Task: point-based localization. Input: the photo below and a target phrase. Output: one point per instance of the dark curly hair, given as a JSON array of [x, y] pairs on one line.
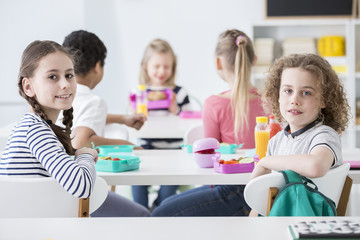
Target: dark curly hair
[[87, 48], [337, 112]]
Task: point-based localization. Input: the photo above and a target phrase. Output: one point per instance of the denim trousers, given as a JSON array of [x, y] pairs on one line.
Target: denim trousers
[[217, 200], [141, 194]]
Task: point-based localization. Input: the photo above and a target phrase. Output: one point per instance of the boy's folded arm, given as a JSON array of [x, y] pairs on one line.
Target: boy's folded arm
[[313, 165]]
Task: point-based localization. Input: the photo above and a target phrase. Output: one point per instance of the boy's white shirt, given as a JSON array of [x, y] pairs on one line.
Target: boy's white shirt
[[89, 111]]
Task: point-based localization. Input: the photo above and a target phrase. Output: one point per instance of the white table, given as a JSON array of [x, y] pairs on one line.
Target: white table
[[164, 228], [172, 167], [177, 167], [166, 126]]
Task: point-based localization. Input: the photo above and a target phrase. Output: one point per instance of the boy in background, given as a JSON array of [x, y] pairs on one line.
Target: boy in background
[[90, 111]]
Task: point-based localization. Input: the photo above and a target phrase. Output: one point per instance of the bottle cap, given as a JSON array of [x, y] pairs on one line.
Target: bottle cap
[[142, 87], [271, 117], [261, 119]]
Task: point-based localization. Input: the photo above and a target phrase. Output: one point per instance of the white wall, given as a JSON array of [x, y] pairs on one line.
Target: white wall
[[126, 27]]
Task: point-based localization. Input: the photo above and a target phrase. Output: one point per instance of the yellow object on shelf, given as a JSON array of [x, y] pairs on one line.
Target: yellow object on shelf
[[329, 46]]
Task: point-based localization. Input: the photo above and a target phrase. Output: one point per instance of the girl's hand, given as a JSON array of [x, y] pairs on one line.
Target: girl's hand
[[173, 106], [93, 152]]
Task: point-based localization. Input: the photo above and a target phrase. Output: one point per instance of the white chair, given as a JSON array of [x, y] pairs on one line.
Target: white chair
[[259, 193], [44, 197], [194, 134]]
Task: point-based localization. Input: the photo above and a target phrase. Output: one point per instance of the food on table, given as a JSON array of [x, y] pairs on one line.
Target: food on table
[[109, 158], [156, 95], [237, 161], [206, 151]]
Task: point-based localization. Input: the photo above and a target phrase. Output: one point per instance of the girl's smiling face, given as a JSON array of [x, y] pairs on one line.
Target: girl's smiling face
[[299, 98], [53, 84], [159, 68]]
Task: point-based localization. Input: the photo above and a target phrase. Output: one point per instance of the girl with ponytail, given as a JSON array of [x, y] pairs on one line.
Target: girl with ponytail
[[229, 117]]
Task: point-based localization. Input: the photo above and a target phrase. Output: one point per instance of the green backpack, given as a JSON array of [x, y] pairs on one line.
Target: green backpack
[[297, 198]]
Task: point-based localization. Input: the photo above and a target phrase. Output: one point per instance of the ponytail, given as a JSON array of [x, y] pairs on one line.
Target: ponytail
[[240, 94]]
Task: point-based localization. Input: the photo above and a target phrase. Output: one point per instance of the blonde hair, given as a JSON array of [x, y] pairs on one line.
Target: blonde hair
[[157, 46], [337, 112], [238, 53]]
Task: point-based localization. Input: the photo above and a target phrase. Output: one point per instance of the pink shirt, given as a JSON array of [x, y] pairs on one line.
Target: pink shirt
[[219, 122]]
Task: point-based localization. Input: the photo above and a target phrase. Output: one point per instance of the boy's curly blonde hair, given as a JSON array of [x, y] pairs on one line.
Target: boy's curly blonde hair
[[337, 112]]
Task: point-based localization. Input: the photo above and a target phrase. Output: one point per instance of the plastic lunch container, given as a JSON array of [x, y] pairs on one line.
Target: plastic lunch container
[[224, 149], [114, 149], [206, 160], [235, 168], [126, 163], [165, 103]]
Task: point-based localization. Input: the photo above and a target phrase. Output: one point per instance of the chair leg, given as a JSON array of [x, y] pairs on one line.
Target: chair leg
[[344, 198], [83, 207], [273, 191]]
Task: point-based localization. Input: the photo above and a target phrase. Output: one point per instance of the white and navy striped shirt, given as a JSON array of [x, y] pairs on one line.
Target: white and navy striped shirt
[[33, 150]]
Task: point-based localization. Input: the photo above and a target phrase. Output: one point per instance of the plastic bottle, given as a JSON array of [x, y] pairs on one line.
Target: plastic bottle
[[141, 100], [274, 126], [262, 136]]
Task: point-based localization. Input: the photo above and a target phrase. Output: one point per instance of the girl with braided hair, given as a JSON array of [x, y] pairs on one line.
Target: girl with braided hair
[[37, 147]]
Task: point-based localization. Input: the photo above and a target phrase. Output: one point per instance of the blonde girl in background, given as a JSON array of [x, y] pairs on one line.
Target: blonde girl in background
[[157, 72], [229, 117], [37, 147]]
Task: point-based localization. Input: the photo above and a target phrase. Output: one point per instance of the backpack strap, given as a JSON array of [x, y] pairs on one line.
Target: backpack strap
[[291, 177]]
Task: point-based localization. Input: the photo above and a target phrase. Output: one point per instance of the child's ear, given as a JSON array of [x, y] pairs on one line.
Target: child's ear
[[219, 65], [28, 89], [97, 67]]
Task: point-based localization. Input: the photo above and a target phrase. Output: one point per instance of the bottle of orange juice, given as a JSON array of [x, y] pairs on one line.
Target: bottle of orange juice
[[262, 136], [141, 100]]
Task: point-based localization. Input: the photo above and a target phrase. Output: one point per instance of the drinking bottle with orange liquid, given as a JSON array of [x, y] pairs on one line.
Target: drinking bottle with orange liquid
[[141, 100], [262, 136]]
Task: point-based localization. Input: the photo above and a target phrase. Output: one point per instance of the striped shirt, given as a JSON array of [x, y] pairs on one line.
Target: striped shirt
[[33, 150]]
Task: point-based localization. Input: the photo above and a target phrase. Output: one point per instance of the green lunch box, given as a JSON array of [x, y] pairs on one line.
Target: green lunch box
[[127, 163]]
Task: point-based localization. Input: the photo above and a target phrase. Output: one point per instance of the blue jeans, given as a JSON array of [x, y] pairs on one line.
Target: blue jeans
[[140, 194], [218, 200]]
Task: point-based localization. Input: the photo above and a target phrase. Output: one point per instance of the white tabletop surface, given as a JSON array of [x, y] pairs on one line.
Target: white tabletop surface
[[165, 228], [172, 167], [177, 167], [165, 126]]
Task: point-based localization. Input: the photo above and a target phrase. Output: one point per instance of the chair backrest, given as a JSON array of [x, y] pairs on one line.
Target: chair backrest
[[193, 134], [43, 197], [257, 190]]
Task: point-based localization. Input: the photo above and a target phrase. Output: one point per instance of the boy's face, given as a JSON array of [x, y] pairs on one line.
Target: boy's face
[[159, 68], [299, 98]]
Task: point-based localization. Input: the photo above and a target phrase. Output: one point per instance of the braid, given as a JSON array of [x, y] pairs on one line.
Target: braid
[[63, 134]]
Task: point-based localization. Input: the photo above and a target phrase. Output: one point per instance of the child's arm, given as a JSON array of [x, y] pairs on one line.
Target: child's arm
[[313, 165], [135, 120], [83, 136], [173, 106]]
